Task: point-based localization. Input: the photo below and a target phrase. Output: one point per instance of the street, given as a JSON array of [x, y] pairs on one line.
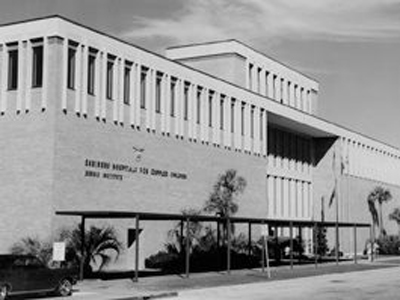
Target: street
[[366, 281], [372, 284]]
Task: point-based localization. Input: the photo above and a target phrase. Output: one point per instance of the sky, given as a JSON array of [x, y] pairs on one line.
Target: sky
[[351, 47]]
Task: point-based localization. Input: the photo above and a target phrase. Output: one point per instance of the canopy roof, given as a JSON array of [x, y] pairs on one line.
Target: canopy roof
[[150, 216]]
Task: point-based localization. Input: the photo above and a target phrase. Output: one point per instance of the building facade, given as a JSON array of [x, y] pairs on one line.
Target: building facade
[[91, 122]]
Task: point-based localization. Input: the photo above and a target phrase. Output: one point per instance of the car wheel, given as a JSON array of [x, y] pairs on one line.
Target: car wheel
[[3, 292], [64, 288]]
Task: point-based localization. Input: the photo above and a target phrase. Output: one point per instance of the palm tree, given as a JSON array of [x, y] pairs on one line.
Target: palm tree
[[177, 235], [395, 216], [221, 200], [33, 246], [380, 195], [97, 244]]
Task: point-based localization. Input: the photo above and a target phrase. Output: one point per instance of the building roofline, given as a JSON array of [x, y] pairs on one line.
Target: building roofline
[[34, 20], [57, 16], [247, 46], [202, 43]]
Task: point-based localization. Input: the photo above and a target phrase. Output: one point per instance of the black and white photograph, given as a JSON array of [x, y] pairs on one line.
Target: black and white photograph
[[199, 149]]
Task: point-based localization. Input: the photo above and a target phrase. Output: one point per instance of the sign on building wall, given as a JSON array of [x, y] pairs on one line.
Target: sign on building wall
[[102, 169]]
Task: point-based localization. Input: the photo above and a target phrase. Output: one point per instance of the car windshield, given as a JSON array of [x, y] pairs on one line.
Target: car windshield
[[27, 262], [33, 262]]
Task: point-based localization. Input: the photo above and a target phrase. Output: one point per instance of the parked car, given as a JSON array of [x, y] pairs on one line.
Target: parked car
[[26, 274]]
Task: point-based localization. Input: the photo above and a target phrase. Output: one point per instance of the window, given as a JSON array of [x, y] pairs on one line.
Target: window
[[233, 116], [173, 87], [37, 66], [210, 110], [13, 69], [71, 68], [198, 106], [143, 79], [127, 84], [259, 70], [261, 124], [242, 118], [271, 146], [281, 89], [110, 78], [221, 113], [301, 99], [266, 83], [274, 87], [252, 122], [91, 73], [186, 101], [250, 77], [158, 93]]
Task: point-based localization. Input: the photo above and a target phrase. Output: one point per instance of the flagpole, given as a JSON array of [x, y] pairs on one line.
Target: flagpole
[[337, 227], [337, 211]]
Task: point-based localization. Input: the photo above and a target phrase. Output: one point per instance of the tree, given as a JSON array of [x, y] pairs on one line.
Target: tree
[[178, 235], [221, 201], [98, 243], [379, 195], [321, 241], [395, 216]]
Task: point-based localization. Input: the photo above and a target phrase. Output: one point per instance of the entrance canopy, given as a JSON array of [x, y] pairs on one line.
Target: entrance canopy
[[149, 216]]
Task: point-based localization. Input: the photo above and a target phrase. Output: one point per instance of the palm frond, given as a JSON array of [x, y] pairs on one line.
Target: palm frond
[[395, 215]]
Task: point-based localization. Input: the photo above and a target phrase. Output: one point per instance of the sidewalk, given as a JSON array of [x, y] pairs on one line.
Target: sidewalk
[[171, 285], [373, 284]]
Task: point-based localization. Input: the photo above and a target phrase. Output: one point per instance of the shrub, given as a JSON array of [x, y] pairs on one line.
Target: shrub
[[321, 241], [98, 242], [163, 260], [389, 244], [207, 256]]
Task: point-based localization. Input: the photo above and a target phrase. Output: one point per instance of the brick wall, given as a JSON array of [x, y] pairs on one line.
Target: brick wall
[[78, 139]]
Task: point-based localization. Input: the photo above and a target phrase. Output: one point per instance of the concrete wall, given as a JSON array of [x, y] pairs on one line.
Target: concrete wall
[[26, 167], [352, 193], [78, 139], [230, 67]]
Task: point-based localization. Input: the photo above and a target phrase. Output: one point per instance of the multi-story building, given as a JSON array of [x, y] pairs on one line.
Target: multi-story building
[[91, 122]]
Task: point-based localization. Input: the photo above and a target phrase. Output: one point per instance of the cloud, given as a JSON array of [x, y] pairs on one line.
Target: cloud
[[274, 20]]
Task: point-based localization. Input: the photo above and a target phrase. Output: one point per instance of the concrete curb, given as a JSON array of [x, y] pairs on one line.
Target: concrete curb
[[150, 296]]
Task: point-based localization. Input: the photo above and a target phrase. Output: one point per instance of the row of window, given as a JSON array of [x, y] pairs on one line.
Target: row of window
[[368, 162], [289, 197], [288, 151], [144, 77], [278, 87], [14, 57]]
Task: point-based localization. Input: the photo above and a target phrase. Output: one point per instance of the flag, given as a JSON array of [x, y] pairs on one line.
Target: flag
[[342, 166], [344, 160], [333, 195], [333, 160]]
